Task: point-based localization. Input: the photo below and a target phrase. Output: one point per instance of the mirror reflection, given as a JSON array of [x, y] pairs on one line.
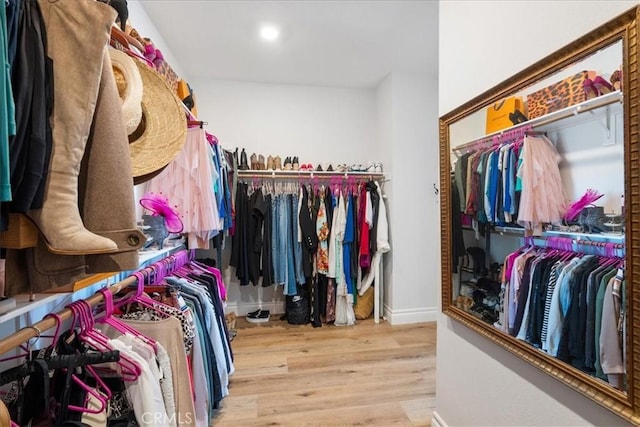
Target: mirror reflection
[[538, 218]]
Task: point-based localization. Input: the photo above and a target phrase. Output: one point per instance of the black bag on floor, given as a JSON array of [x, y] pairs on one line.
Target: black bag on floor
[[298, 309]]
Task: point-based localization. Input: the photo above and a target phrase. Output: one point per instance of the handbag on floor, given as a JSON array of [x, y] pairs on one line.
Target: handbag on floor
[[298, 310]]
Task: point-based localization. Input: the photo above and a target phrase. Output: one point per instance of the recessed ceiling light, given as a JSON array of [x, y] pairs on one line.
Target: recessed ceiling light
[[269, 33]]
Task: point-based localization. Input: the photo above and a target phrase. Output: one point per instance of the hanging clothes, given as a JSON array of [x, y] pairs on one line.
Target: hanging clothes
[[543, 198], [565, 303], [26, 94], [188, 183], [318, 242]]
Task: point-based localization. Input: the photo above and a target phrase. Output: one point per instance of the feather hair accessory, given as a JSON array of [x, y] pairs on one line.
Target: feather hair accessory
[[159, 205], [576, 207]]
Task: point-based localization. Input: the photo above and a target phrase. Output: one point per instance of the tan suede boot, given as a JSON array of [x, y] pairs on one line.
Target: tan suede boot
[[76, 85], [103, 192]]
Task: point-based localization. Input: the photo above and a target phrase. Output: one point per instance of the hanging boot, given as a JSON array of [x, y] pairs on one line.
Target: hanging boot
[[107, 151], [75, 93]]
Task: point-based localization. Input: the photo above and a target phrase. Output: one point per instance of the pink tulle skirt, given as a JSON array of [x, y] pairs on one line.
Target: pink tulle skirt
[[187, 182], [543, 198]]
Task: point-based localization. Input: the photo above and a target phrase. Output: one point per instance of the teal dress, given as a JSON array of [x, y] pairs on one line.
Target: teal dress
[[7, 119]]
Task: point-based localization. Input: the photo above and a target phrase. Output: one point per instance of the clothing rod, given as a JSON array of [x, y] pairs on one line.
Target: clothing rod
[[196, 123], [550, 241], [34, 331], [305, 174], [497, 137]]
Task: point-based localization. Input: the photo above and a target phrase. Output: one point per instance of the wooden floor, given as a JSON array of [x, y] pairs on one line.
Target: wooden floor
[[363, 375]]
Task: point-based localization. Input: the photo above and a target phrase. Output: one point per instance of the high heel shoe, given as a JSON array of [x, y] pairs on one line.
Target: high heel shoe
[[615, 80], [295, 163], [602, 86], [517, 117], [270, 164], [277, 163], [589, 88], [261, 165], [243, 161], [287, 164], [254, 162]]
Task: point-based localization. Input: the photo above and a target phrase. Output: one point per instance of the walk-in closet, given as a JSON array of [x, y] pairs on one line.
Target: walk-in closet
[[204, 213]]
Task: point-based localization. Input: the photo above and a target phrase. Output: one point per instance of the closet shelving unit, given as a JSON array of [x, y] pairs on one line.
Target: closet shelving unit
[[118, 282], [607, 105], [556, 120], [25, 303], [288, 175]]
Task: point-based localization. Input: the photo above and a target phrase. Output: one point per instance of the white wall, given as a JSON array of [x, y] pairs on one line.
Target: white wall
[[144, 25], [384, 135], [478, 383], [414, 222], [317, 124]]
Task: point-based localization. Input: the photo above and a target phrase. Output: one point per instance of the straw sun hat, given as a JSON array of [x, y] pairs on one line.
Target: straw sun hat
[[156, 122]]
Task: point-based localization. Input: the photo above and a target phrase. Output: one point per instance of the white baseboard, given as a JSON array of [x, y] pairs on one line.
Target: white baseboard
[[436, 420], [242, 308], [411, 315], [394, 317]]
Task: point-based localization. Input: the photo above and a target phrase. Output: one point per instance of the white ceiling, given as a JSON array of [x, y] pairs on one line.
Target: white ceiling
[[327, 43]]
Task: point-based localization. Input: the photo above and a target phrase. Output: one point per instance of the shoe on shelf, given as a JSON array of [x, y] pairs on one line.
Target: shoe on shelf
[[329, 168], [258, 316], [295, 163], [615, 80], [602, 86], [261, 165], [277, 163], [589, 88], [319, 168], [517, 117], [243, 161], [342, 168], [377, 167], [270, 163], [254, 162], [287, 164]]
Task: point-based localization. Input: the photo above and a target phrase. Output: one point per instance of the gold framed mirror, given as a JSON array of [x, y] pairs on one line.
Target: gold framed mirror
[[541, 257]]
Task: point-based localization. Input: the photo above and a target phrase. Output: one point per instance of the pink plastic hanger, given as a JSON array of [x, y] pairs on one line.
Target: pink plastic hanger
[[100, 397], [118, 324], [138, 296], [88, 334], [26, 348]]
